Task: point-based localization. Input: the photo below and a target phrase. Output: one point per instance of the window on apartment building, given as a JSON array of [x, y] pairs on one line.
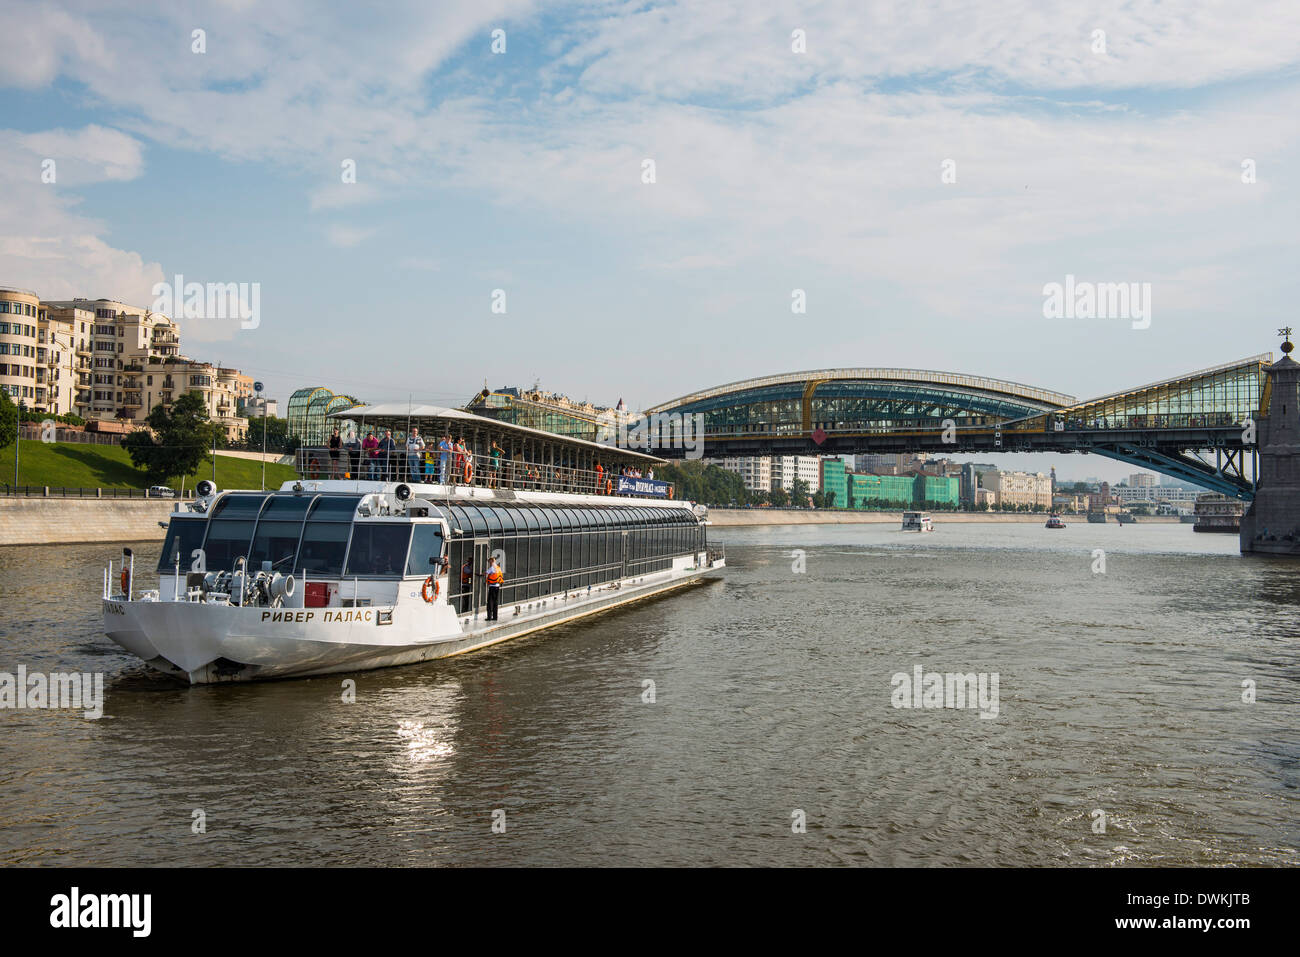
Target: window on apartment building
[[4, 305]]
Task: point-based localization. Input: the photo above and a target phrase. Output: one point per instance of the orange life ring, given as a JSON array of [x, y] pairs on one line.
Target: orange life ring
[[126, 577], [424, 589], [469, 472]]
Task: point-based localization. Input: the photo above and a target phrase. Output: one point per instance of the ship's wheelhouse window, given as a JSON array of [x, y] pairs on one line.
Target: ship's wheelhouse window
[[325, 536], [378, 550], [230, 529], [278, 529], [184, 535], [426, 543], [226, 540], [239, 505]]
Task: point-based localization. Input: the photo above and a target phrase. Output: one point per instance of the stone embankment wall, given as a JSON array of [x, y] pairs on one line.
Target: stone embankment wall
[[43, 521], [780, 516]]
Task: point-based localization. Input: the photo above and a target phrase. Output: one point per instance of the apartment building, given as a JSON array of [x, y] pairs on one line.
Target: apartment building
[[1019, 488], [785, 469], [106, 360], [19, 321], [755, 471]]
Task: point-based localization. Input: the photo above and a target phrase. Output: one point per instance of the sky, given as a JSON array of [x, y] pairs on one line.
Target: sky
[[918, 172]]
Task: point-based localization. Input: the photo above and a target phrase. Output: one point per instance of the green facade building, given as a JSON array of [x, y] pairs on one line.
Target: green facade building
[[835, 483], [847, 489]]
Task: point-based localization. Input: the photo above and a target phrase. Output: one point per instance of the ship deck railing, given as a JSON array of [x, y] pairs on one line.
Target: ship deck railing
[[399, 465]]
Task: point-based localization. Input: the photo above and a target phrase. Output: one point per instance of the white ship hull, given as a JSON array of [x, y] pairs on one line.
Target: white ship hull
[[209, 643]]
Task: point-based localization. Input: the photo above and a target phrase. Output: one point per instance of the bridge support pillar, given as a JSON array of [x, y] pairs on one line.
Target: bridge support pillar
[[1271, 524]]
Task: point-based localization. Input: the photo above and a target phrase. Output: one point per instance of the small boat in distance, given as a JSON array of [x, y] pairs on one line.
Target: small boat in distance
[[917, 522], [1054, 521]]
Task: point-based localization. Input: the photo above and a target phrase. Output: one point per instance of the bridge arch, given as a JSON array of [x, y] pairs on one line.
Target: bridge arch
[[859, 401]]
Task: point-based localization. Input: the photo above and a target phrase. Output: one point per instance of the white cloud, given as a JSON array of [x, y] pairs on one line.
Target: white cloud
[[821, 164], [45, 245], [346, 237]]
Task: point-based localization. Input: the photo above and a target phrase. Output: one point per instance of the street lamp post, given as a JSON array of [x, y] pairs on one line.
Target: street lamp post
[[257, 387], [18, 434]]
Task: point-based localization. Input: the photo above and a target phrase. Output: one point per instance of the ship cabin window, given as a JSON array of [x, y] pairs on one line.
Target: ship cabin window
[[325, 536], [184, 535], [278, 530], [378, 550], [230, 529], [426, 545]]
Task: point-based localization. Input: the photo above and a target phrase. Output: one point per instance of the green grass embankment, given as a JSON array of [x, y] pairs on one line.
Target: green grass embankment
[[71, 465]]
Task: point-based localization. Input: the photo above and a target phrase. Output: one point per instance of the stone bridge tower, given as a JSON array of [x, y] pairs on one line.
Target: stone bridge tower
[[1272, 523]]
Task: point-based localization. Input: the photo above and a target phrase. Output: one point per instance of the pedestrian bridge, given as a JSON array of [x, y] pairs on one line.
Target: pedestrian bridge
[[1173, 426]]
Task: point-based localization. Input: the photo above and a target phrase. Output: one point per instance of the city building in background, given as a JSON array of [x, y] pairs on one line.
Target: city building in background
[[755, 471], [256, 406], [787, 469], [107, 362], [549, 412], [845, 488], [967, 484], [1019, 488], [19, 322]]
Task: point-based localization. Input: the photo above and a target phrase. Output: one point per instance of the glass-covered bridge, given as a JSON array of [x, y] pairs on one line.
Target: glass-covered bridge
[[1166, 426]]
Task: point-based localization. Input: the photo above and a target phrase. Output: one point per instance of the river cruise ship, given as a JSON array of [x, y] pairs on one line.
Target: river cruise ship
[[1217, 513], [334, 573]]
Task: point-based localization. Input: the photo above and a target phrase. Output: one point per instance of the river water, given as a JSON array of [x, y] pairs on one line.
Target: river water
[[1119, 691]]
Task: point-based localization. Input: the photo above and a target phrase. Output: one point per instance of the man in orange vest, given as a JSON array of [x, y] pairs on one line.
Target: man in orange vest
[[466, 585], [494, 579]]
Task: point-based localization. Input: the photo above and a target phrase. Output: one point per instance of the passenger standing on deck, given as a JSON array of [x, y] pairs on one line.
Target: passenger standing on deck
[[444, 458], [414, 446], [466, 585], [386, 449], [462, 461], [600, 478], [336, 450], [494, 579], [354, 455], [370, 449], [494, 464]]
